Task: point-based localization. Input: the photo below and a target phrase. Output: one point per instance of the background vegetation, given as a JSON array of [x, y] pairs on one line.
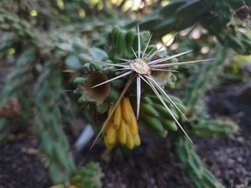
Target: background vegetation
[[50, 48]]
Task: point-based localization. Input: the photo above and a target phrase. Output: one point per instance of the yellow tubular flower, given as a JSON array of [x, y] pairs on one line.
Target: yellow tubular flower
[[107, 127], [133, 125], [137, 140], [111, 136], [117, 117], [126, 109], [122, 127], [122, 132], [129, 140], [108, 146]]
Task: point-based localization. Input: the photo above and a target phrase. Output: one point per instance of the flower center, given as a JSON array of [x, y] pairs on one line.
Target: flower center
[[140, 67]]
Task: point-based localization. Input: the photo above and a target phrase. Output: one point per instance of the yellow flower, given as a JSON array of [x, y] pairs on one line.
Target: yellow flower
[[122, 127]]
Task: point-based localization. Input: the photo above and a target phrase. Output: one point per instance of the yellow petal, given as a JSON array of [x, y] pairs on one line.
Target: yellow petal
[[122, 133], [117, 117], [111, 136], [137, 140], [129, 140], [126, 109]]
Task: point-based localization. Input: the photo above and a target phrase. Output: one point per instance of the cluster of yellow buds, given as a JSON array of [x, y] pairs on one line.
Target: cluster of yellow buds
[[122, 127]]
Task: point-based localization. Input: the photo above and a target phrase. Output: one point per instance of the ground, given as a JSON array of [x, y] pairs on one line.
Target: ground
[[153, 164]]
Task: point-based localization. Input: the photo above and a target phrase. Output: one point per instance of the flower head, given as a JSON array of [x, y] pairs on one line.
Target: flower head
[[141, 68]]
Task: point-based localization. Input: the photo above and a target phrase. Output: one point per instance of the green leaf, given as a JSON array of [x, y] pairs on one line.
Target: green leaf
[[65, 47], [73, 62], [84, 57], [99, 54]]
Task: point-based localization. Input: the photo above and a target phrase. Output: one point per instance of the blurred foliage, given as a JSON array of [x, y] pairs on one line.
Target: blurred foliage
[[53, 46], [88, 176], [215, 16], [54, 144], [199, 175]]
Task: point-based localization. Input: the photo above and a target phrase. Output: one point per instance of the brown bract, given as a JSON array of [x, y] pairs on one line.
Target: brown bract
[[97, 94]]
